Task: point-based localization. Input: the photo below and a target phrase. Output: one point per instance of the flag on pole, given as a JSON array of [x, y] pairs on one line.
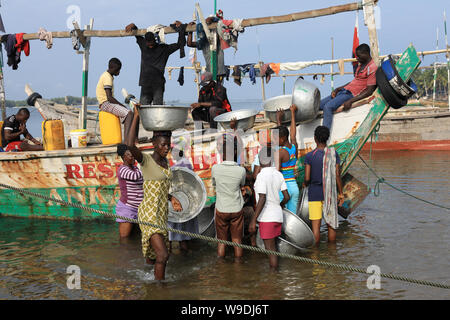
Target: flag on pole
[[355, 42]]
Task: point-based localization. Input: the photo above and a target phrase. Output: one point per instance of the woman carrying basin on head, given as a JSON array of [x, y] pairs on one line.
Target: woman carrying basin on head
[[154, 207]]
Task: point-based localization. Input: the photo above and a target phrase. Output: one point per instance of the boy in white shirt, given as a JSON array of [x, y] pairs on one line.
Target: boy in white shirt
[[269, 212]]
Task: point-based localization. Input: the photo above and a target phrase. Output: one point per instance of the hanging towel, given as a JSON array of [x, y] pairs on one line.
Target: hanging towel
[[266, 71], [22, 45], [158, 30], [181, 76], [341, 66], [293, 66], [228, 31], [11, 50], [46, 36], [275, 67], [330, 212], [237, 75], [181, 37]]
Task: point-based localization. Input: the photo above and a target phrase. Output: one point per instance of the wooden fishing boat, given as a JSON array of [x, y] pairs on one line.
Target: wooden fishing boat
[[87, 176]]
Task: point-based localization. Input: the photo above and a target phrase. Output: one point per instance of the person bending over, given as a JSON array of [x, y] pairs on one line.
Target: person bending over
[[15, 126]]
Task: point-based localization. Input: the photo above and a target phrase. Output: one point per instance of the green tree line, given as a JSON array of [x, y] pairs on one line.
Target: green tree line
[[71, 100], [424, 79]]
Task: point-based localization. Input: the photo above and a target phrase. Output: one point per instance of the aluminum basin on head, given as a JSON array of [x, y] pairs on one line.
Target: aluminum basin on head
[[306, 96], [245, 119], [189, 189], [279, 102], [163, 117], [296, 231]]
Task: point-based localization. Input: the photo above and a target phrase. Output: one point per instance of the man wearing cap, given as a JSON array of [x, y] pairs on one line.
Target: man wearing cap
[[154, 58], [212, 101]]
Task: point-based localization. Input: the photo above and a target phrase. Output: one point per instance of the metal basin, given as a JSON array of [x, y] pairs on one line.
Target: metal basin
[[303, 208], [296, 230], [306, 96], [205, 220], [189, 189], [283, 246], [245, 119], [279, 102], [162, 117]]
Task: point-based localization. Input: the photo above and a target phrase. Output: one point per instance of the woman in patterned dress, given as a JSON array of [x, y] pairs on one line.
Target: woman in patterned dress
[[154, 207]]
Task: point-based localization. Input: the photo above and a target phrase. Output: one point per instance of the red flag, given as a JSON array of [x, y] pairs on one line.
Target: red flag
[[355, 43]]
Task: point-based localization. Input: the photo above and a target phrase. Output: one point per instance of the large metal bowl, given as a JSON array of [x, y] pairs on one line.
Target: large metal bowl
[[245, 119], [163, 117], [189, 189], [205, 220], [283, 246], [279, 102], [306, 96], [296, 230], [303, 208]]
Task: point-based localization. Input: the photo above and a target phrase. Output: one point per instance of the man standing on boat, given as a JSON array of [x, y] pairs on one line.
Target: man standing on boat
[[362, 86], [15, 126], [212, 101], [154, 58]]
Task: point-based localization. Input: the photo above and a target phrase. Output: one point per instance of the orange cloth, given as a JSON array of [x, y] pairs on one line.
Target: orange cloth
[[22, 45], [275, 67]]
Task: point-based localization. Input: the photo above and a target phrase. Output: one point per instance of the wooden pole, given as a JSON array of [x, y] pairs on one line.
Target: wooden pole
[[84, 91], [263, 89], [369, 20], [435, 66], [2, 85], [331, 66], [245, 23], [448, 60]]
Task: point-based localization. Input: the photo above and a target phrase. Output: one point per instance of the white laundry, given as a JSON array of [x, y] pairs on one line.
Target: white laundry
[[158, 29]]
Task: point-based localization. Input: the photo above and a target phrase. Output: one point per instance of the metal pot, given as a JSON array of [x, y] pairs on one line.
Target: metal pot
[[303, 208], [306, 96], [163, 117], [245, 119], [296, 230], [189, 189], [205, 220]]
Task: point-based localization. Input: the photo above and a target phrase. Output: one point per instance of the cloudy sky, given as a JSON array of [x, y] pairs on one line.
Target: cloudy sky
[[58, 71]]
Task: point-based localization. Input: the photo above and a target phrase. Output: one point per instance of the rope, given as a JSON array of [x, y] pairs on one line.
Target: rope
[[331, 265], [376, 190]]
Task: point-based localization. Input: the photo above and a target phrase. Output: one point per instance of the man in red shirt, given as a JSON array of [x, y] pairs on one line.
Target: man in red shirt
[[362, 86]]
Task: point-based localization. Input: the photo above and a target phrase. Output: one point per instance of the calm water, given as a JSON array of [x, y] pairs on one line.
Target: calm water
[[399, 234]]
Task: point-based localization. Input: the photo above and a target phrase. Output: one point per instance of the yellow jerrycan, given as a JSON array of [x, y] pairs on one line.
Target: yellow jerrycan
[[53, 135], [110, 130]]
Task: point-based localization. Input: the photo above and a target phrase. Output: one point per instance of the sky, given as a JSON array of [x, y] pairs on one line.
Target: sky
[[57, 72]]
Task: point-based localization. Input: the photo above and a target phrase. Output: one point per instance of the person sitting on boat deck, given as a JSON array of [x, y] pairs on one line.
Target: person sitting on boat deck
[[105, 96], [212, 101], [131, 193], [287, 157], [268, 213], [315, 177], [228, 178], [154, 207], [154, 58], [362, 86], [15, 126]]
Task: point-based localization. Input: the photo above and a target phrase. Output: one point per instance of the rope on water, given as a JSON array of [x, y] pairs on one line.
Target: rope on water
[[376, 189], [331, 265]]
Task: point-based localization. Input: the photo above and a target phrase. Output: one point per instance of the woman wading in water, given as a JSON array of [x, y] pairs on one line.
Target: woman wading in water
[[154, 207]]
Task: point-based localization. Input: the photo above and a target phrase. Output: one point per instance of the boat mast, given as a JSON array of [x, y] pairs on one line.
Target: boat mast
[[369, 21], [448, 60], [435, 66]]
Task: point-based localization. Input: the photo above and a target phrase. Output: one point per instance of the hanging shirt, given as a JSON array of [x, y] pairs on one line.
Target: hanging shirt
[[153, 61], [364, 77]]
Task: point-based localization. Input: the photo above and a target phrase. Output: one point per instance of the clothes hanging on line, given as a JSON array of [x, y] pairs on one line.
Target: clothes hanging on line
[[228, 31], [46, 36], [181, 76], [266, 71], [14, 45], [293, 66], [275, 67], [181, 37], [237, 75]]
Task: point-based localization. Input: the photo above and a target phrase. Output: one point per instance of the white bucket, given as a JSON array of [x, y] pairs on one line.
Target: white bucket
[[78, 138]]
